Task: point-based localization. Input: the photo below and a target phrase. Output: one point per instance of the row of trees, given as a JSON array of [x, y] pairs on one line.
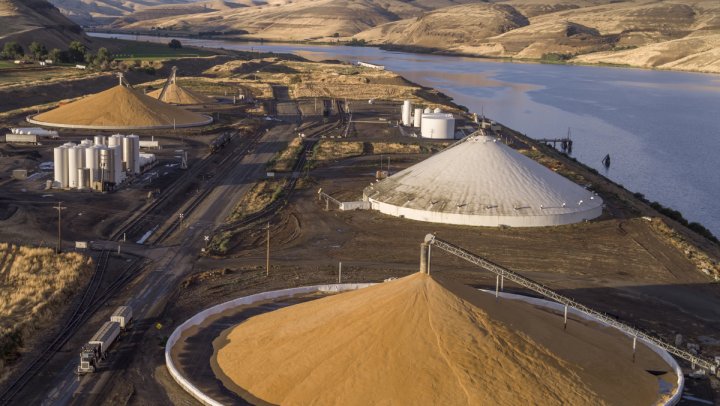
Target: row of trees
[[76, 52]]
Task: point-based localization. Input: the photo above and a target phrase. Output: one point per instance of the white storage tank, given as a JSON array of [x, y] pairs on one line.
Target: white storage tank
[[72, 167], [417, 117], [83, 178], [438, 126], [115, 139], [136, 152], [118, 173], [127, 155], [100, 140], [437, 110], [91, 162], [81, 155], [61, 166], [107, 165], [407, 113], [428, 110]]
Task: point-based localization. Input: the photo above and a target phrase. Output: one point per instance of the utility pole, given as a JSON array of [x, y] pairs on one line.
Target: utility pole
[[267, 259], [59, 208]]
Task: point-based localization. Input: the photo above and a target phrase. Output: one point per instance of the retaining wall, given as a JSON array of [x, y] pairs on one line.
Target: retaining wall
[[276, 294]]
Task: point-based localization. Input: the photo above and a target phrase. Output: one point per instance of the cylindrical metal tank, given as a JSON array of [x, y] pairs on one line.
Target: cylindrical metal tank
[[437, 110], [100, 140], [135, 153], [417, 117], [72, 167], [118, 174], [91, 162], [438, 126], [83, 175], [86, 143], [106, 165], [407, 113], [115, 139], [428, 110], [127, 155], [81, 155], [60, 162]]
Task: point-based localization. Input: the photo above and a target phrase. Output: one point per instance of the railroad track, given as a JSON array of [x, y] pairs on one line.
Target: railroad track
[[90, 301], [197, 199], [142, 221]]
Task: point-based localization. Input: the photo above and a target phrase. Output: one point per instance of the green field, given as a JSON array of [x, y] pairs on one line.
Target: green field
[[7, 64], [148, 51]]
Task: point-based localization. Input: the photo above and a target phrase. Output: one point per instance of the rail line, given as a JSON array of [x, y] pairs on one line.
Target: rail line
[[89, 303], [197, 199], [504, 273]]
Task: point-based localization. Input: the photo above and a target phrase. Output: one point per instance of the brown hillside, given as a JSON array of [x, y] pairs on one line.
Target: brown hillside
[[25, 21]]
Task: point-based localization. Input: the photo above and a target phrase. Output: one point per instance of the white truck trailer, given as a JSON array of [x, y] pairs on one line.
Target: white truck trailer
[[123, 315], [96, 349]]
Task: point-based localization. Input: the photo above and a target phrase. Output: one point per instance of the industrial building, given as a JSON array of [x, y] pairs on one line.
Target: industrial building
[[119, 108], [93, 164], [480, 181]]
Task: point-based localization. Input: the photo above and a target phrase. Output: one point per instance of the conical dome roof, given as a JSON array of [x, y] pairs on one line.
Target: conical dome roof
[[119, 108], [480, 181], [417, 341], [176, 94]]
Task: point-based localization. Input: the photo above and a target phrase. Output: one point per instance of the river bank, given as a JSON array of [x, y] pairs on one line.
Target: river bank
[[400, 48]]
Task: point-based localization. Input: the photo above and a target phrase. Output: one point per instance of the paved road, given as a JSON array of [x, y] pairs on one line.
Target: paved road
[[176, 261]]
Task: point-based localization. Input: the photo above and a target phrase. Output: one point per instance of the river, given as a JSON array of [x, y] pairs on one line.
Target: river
[[661, 128]]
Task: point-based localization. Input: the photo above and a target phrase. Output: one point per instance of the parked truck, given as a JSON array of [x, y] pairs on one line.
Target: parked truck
[[122, 315], [97, 348]]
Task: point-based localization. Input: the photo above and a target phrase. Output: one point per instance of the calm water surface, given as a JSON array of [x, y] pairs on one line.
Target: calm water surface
[[661, 129]]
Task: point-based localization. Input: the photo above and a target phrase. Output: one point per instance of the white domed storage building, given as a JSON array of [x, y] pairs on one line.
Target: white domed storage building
[[479, 181]]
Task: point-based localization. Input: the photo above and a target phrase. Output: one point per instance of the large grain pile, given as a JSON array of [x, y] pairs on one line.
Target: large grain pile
[[176, 94], [119, 107], [418, 340]]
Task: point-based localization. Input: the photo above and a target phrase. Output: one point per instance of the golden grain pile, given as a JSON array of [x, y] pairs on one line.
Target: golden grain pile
[[120, 107], [34, 285], [423, 341], [176, 94]]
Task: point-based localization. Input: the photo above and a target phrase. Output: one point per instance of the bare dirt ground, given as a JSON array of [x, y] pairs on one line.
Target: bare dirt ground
[[621, 266]]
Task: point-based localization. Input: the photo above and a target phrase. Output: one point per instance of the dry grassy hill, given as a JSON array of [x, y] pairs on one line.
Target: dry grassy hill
[[35, 285], [666, 34], [669, 34], [25, 21]]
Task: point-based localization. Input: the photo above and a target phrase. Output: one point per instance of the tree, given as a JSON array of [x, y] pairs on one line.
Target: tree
[[174, 44], [55, 55], [13, 50], [102, 56], [76, 51], [38, 50]]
